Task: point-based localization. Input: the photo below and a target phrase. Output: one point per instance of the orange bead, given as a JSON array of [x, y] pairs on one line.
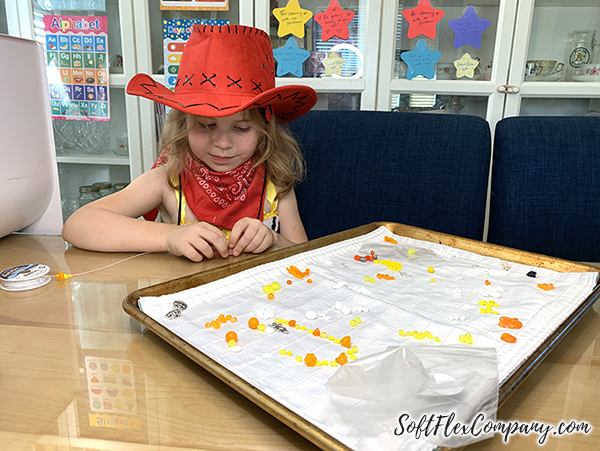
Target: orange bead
[[487, 282], [253, 323], [289, 282], [231, 335], [310, 360], [208, 325], [228, 318], [342, 359], [234, 319], [292, 323], [508, 338], [317, 332], [270, 296], [518, 324], [357, 258], [346, 342], [309, 280], [216, 324]]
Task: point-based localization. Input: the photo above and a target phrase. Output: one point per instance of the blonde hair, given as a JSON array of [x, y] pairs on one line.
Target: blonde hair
[[276, 147]]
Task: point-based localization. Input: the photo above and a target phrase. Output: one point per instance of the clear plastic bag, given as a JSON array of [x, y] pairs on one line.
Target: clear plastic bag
[[384, 393]]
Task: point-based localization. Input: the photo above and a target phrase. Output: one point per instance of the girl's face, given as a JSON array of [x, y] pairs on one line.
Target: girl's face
[[224, 143]]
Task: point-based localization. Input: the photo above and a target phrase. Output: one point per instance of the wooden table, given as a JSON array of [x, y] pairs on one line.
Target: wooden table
[[47, 333]]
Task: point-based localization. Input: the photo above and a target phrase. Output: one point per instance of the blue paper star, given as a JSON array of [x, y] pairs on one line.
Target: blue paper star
[[420, 61], [468, 29], [290, 58]]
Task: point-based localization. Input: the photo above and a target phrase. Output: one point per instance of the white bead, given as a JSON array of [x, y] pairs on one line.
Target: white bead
[[235, 348], [346, 310], [338, 305], [310, 315]]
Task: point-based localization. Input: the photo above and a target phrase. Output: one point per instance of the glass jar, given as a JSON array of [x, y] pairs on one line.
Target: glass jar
[[104, 188], [120, 186], [87, 194]]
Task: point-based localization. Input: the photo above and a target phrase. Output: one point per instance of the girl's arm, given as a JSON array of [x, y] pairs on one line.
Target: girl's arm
[[251, 235], [110, 224]]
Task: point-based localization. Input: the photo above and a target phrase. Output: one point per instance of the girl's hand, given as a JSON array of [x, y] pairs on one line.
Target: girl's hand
[[196, 241], [250, 235]]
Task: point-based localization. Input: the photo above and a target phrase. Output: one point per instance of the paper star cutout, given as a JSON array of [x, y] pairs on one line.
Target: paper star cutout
[[465, 67], [290, 58], [422, 20], [420, 61], [292, 19], [468, 29], [333, 64], [334, 21]]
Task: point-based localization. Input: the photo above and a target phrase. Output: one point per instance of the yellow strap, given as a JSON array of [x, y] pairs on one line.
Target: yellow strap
[[271, 195], [183, 203]]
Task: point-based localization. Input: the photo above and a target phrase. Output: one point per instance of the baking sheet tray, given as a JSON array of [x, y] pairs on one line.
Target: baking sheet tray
[[296, 422]]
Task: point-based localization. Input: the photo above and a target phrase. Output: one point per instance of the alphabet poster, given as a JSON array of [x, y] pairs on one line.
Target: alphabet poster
[[77, 67]]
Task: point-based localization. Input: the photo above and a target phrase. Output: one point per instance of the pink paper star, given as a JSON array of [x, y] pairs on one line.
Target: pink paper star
[[422, 20], [334, 21]]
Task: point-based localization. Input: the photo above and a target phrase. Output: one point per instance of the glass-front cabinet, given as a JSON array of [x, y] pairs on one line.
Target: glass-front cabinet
[[490, 58]]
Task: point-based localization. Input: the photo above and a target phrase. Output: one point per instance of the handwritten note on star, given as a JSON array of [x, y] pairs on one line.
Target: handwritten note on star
[[465, 67], [333, 64], [290, 58], [292, 19], [334, 21], [420, 61], [422, 20], [468, 28]]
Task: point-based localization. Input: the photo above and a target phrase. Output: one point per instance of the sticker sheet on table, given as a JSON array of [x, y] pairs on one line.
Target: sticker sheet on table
[[77, 66], [436, 295]]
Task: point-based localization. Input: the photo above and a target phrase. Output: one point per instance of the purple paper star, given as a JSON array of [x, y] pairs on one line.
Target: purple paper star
[[468, 29], [420, 61], [290, 58]]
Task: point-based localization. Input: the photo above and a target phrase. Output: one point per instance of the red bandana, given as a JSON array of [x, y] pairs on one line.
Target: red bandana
[[223, 198]]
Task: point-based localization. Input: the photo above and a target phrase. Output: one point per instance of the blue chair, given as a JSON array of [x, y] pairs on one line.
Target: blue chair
[[425, 170], [546, 186]]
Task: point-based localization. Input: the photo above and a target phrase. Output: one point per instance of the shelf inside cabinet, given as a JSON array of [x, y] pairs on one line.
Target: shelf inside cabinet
[[107, 158]]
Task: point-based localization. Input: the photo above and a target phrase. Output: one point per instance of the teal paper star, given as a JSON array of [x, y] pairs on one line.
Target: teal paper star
[[420, 61], [290, 58]]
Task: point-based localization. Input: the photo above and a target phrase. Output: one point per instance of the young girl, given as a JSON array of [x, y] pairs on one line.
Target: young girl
[[223, 183]]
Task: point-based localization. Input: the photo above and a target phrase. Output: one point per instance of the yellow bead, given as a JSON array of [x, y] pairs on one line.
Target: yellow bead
[[298, 358], [409, 334], [333, 363], [349, 352], [366, 278], [310, 331], [268, 289], [461, 338], [401, 333], [352, 357], [283, 352], [298, 327], [318, 363], [331, 337], [337, 341], [482, 310], [433, 280], [357, 320], [289, 353], [437, 339], [430, 269], [231, 343], [352, 323], [325, 363], [324, 335], [275, 286], [303, 327], [354, 349], [261, 327]]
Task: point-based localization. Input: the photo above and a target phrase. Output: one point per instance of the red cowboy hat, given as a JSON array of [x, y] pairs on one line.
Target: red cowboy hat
[[226, 69]]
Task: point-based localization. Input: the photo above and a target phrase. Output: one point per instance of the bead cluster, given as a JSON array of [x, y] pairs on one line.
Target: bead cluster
[[367, 258], [487, 307], [269, 290], [310, 359], [546, 286], [390, 264], [466, 339], [419, 335], [510, 323], [221, 319]]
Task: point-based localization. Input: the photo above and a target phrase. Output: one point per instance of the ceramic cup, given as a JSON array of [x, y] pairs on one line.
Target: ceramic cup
[[536, 68], [590, 69]]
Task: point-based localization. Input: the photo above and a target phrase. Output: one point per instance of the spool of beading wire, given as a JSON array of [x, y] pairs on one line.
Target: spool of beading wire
[[24, 277]]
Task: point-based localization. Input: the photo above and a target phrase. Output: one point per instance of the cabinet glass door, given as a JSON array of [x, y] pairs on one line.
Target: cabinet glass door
[[445, 56], [89, 55], [330, 45], [556, 61], [154, 26]]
